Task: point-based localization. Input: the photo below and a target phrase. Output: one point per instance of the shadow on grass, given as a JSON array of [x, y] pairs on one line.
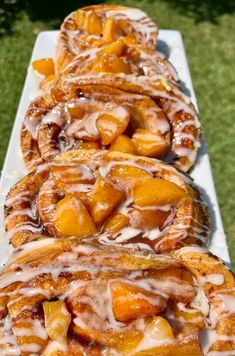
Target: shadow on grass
[[38, 10], [55, 10], [203, 10]]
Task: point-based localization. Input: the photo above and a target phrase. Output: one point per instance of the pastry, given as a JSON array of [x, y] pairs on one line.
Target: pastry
[[119, 198], [65, 297], [94, 26], [111, 118]]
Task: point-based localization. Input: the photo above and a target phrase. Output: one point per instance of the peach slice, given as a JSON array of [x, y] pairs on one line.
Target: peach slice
[[116, 48], [111, 30], [89, 22], [147, 219], [131, 302], [105, 197], [76, 112], [93, 24], [111, 126], [129, 176], [44, 66], [158, 330], [57, 320], [149, 144], [116, 222], [158, 192], [123, 144], [110, 63], [72, 218]]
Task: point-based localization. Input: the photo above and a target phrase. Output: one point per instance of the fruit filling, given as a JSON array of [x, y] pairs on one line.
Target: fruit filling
[[115, 200]]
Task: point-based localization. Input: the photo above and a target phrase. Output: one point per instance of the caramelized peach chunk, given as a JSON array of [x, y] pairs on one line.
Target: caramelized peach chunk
[[130, 302], [149, 144], [44, 66], [89, 22], [157, 330], [105, 197], [76, 112], [110, 63], [72, 218], [147, 219], [93, 24], [57, 320], [116, 48], [123, 144], [111, 126], [111, 30], [129, 176], [116, 222], [158, 192]]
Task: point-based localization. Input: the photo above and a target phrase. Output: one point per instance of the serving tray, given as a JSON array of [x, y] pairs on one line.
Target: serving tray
[[171, 44]]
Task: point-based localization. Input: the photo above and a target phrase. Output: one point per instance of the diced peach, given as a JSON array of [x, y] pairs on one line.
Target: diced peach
[[129, 176], [160, 330], [158, 192], [57, 320], [131, 302], [44, 66], [147, 219], [123, 144], [111, 126], [111, 30], [93, 24], [105, 197], [88, 145], [116, 48], [76, 112], [110, 63], [116, 222], [88, 21], [149, 144], [72, 218]]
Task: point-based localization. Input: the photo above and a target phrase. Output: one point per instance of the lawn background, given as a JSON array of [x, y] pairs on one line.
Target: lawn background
[[208, 29]]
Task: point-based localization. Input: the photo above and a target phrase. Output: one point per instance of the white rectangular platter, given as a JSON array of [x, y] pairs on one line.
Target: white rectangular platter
[[170, 43]]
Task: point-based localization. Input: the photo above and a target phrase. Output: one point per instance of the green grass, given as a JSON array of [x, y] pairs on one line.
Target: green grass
[[207, 27]]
